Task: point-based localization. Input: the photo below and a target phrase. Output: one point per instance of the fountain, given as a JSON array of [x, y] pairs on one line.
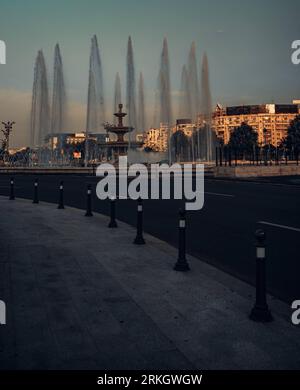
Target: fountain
[[40, 111], [141, 105], [206, 135], [118, 95], [193, 83], [131, 103], [95, 106], [58, 98], [184, 109], [119, 147]]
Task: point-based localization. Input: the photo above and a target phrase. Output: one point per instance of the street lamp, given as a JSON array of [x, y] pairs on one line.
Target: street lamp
[[265, 145]]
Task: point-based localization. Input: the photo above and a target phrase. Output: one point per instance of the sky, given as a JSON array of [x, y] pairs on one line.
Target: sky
[[248, 45]]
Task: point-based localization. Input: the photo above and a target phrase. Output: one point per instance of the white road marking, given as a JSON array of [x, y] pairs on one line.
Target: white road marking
[[279, 226], [217, 194]]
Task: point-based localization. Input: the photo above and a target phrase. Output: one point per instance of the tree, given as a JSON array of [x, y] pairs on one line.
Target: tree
[[292, 141], [180, 145], [243, 139]]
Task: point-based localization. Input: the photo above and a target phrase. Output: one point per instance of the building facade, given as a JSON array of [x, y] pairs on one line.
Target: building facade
[[157, 139], [270, 121]]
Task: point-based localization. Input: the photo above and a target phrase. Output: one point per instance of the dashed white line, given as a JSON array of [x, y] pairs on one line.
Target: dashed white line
[[279, 226], [218, 194]]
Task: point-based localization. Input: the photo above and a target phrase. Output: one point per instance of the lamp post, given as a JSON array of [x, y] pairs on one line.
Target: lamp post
[[265, 146]]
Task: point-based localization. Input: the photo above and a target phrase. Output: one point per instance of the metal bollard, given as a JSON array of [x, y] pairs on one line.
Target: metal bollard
[[36, 193], [12, 189], [182, 264], [113, 223], [139, 239], [89, 201], [61, 196], [260, 311]]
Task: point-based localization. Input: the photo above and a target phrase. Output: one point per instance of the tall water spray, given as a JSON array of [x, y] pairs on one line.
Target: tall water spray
[[40, 111], [193, 83], [141, 106], [185, 96], [95, 105], [206, 110], [59, 95], [117, 96], [164, 89], [130, 91]]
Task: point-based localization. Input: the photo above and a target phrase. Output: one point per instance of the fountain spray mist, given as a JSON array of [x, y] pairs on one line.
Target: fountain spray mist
[[118, 95], [59, 95], [164, 88], [95, 105], [40, 111], [141, 106], [131, 96], [185, 97], [193, 83], [206, 109]]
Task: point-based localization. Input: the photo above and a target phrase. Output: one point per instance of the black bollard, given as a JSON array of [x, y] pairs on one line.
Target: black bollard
[[61, 196], [221, 157], [113, 223], [261, 312], [139, 239], [182, 264], [36, 192], [89, 201], [217, 157], [12, 189]]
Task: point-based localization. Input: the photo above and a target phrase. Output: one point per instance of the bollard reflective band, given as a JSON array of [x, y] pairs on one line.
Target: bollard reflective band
[[89, 192], [12, 182], [260, 252], [182, 223], [36, 184], [140, 207], [61, 187]]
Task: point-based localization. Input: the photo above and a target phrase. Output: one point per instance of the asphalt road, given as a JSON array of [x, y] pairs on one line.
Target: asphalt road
[[222, 233]]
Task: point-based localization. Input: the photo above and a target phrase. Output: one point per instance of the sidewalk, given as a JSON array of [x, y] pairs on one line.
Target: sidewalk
[[82, 296]]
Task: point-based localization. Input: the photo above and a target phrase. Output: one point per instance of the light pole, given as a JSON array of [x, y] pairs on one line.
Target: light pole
[[265, 146]]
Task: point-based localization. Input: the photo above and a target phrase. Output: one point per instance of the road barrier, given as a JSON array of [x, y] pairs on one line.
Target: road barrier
[[61, 196], [89, 201], [113, 223], [12, 189], [139, 239], [182, 264], [260, 311], [36, 192]]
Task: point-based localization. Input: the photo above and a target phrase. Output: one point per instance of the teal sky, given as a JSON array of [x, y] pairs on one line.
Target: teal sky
[[248, 44]]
